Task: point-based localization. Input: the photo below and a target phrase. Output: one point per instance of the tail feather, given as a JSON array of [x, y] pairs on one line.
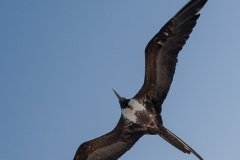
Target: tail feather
[[177, 142]]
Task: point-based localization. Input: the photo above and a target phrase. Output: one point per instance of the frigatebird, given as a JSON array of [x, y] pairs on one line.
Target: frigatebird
[[141, 114]]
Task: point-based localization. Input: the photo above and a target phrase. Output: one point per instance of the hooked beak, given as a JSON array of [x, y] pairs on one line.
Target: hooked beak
[[118, 96]]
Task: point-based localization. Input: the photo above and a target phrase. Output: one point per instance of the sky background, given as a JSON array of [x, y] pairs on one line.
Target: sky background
[[59, 61]]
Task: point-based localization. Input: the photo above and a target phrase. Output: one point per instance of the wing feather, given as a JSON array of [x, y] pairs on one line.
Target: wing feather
[[162, 51], [109, 146]]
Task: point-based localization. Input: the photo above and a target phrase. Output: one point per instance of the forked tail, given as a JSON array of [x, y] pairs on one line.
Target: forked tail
[[177, 142]]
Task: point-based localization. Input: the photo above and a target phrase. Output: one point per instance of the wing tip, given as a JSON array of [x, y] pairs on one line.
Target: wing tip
[[193, 5]]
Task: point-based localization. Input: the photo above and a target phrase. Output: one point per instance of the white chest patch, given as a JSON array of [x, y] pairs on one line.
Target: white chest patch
[[130, 113]]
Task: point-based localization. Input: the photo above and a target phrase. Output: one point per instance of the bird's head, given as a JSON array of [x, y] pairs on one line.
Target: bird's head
[[123, 101]]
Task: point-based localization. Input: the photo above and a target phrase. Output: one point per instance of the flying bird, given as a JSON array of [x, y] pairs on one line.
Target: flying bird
[[141, 114]]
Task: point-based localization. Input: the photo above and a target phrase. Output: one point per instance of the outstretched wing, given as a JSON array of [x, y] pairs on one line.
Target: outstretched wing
[[109, 146], [162, 51]]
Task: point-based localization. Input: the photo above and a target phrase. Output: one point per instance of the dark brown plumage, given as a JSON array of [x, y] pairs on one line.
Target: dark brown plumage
[[109, 146], [142, 114]]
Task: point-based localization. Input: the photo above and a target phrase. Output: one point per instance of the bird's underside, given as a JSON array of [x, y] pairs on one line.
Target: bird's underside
[[141, 114]]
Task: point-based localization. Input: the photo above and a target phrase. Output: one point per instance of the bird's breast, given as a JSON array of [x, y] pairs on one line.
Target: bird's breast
[[131, 112], [137, 113]]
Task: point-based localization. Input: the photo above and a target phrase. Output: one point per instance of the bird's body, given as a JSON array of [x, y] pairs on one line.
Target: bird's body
[[138, 114], [141, 114]]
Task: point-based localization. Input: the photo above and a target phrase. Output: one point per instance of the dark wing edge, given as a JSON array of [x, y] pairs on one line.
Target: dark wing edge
[[162, 51], [109, 146]]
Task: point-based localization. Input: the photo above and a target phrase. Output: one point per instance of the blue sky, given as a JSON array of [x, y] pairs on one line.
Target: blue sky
[[59, 61]]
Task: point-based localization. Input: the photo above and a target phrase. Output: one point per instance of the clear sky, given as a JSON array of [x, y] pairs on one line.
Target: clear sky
[[59, 61]]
